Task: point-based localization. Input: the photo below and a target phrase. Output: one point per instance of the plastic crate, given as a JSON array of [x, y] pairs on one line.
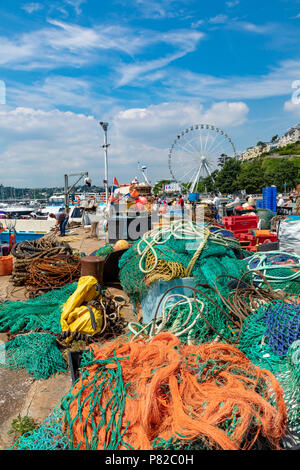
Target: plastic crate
[[269, 198], [268, 237], [249, 238], [252, 248], [239, 233], [240, 222]]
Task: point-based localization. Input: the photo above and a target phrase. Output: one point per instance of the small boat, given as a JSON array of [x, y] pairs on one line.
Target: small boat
[[17, 210]]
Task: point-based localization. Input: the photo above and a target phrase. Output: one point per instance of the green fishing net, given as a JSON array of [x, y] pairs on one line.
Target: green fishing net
[[48, 436], [192, 326], [109, 372], [42, 312], [215, 259], [271, 341], [36, 352], [104, 250]]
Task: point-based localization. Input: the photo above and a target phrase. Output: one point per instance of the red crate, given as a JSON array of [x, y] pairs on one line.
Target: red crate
[[272, 237], [238, 233], [248, 237], [240, 222], [251, 248]]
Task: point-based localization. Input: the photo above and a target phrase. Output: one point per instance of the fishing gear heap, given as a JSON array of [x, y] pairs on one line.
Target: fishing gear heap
[[216, 367], [161, 394], [28, 251]]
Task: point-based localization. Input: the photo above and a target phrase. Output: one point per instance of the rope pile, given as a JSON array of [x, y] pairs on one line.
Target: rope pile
[[182, 249], [52, 273], [281, 269], [246, 297], [197, 319], [132, 395], [27, 251]]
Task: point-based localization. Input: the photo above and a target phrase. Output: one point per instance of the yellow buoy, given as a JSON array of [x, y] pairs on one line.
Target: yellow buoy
[[121, 245]]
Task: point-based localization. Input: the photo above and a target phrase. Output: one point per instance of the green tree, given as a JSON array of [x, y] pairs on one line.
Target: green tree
[[252, 177], [207, 184], [223, 158], [282, 171], [226, 179]]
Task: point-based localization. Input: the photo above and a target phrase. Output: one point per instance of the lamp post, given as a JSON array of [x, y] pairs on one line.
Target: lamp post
[[104, 126]]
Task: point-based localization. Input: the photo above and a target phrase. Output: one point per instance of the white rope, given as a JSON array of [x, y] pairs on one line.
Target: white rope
[[154, 327], [186, 230]]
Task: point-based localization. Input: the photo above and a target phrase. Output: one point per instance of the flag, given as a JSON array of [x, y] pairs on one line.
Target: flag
[[115, 185]]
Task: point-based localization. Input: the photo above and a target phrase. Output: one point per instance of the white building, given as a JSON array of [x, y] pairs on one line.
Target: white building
[[254, 152], [290, 137], [250, 153]]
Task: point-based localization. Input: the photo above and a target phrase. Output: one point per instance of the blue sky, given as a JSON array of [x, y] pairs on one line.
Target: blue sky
[[149, 68]]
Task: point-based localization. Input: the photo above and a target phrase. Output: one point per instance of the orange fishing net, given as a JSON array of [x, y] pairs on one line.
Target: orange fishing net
[[132, 393]]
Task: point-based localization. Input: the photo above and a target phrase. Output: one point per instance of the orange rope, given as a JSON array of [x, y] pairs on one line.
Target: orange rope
[[188, 392]]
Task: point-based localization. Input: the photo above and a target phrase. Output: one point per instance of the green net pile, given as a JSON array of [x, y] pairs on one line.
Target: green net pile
[[282, 270], [104, 250], [205, 327], [275, 345], [48, 436], [36, 352], [109, 377], [41, 312], [215, 259]]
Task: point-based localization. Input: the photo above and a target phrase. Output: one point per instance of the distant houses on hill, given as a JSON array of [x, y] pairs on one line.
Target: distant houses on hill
[[290, 137]]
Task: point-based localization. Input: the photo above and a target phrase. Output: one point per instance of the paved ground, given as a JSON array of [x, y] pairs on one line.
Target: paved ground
[[19, 393]]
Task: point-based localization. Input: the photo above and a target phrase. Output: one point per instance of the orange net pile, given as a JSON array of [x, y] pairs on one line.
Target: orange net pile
[[146, 395]]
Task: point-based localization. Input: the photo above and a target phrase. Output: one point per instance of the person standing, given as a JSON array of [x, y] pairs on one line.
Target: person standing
[[61, 222], [231, 205], [280, 201], [216, 203], [181, 204], [297, 204]]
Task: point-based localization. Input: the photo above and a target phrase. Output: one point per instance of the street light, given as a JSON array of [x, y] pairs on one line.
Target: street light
[[104, 126]]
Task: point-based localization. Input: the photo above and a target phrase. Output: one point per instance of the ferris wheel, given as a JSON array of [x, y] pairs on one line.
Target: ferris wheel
[[196, 153]]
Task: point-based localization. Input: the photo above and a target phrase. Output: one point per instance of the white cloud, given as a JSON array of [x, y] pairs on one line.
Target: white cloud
[[268, 28], [293, 107], [278, 82], [185, 41], [52, 92], [219, 19], [167, 119], [233, 3], [76, 4], [32, 7], [39, 147], [195, 24], [158, 9], [63, 43]]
